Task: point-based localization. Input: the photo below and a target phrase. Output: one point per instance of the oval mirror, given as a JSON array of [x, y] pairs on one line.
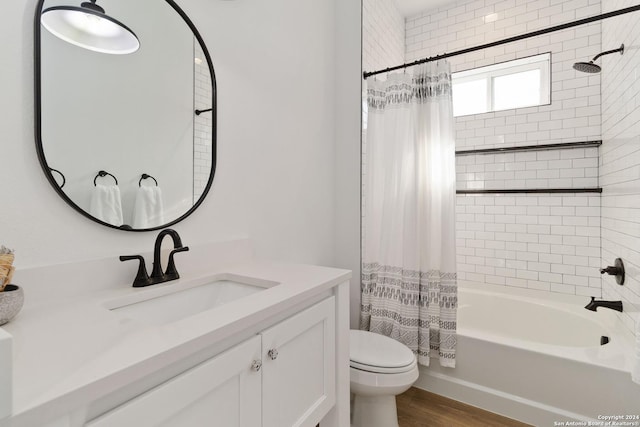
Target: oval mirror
[[125, 110]]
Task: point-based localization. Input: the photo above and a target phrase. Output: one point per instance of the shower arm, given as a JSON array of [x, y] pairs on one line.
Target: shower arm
[[620, 49]]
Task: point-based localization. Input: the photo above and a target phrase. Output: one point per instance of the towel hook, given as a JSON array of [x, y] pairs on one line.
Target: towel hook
[[64, 180], [102, 174], [146, 176], [198, 112]]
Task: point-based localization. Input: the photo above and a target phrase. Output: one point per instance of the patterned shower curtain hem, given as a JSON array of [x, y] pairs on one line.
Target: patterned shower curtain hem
[[417, 308]]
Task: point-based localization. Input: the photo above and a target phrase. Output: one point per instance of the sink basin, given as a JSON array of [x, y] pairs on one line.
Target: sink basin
[[166, 305]]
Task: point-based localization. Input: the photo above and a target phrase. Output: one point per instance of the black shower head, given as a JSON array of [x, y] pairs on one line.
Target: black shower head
[[587, 67], [590, 67]]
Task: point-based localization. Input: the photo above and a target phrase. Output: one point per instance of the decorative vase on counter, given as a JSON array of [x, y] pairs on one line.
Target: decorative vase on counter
[[11, 296], [11, 300]]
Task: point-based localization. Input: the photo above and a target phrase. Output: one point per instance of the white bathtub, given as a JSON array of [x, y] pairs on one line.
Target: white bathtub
[[536, 357]]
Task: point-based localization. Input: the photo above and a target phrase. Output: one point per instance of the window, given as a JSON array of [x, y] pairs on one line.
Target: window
[[520, 83]]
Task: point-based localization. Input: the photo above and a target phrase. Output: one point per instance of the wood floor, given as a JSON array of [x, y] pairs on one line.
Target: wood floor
[[419, 408]]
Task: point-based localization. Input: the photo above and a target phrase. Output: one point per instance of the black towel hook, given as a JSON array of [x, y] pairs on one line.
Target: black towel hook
[[64, 180], [198, 112], [146, 176], [102, 174]]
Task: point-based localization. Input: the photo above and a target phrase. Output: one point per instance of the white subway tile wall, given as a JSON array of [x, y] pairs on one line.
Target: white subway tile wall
[[620, 157], [548, 242], [383, 40], [540, 241], [566, 168], [203, 124], [574, 113]]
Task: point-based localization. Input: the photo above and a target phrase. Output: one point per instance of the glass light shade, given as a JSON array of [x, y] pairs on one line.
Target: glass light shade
[[89, 29]]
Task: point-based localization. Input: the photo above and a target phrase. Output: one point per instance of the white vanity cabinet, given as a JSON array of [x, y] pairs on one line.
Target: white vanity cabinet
[[223, 391], [283, 376], [298, 378]]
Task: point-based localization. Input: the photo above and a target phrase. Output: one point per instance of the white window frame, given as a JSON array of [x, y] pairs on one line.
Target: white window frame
[[488, 73]]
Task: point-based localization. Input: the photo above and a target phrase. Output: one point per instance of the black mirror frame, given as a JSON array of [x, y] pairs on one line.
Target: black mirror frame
[[38, 120]]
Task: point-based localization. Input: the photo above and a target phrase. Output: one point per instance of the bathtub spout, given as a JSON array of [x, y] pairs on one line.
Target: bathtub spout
[[613, 305]]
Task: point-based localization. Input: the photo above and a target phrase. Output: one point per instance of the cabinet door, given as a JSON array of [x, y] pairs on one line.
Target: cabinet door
[[298, 379], [223, 391]]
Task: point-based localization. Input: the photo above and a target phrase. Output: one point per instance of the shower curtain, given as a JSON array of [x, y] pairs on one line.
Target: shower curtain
[[409, 287]]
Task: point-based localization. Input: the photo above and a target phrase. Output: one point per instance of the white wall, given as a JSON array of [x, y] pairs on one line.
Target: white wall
[[275, 180], [538, 241], [348, 67], [620, 157]]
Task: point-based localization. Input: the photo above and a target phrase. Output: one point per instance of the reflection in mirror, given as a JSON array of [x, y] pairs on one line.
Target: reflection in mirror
[[131, 115], [62, 180], [89, 27]]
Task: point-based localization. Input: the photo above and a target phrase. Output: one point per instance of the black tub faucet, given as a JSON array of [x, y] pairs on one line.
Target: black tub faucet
[[613, 305], [616, 270], [157, 276]]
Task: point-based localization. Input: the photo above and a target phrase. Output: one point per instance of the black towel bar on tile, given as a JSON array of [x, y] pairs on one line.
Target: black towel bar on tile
[[560, 146], [146, 176], [64, 180], [533, 190], [198, 112], [102, 174]]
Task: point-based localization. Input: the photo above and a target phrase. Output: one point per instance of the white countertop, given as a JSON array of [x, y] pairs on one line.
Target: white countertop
[[72, 350]]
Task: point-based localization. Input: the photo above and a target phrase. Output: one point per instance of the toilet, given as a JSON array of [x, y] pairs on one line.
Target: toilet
[[381, 368]]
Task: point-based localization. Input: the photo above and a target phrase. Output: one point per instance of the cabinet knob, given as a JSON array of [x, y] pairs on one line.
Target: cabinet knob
[[256, 365], [273, 354]]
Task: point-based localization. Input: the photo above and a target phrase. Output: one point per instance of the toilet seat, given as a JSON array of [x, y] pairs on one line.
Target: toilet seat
[[382, 369], [371, 352]]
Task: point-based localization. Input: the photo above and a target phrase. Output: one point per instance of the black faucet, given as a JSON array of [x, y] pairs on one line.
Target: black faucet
[[616, 270], [613, 305], [157, 276]]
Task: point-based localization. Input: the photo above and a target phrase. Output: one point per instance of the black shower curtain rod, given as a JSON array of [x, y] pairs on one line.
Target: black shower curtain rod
[[509, 40]]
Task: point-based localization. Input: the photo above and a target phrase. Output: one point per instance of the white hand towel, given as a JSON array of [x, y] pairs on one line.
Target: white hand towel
[[635, 370], [148, 210], [106, 204]]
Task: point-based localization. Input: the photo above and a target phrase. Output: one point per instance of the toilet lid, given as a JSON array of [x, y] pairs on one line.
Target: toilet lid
[[373, 352]]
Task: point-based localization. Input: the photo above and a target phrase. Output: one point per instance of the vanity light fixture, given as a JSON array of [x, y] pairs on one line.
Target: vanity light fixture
[[89, 27]]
